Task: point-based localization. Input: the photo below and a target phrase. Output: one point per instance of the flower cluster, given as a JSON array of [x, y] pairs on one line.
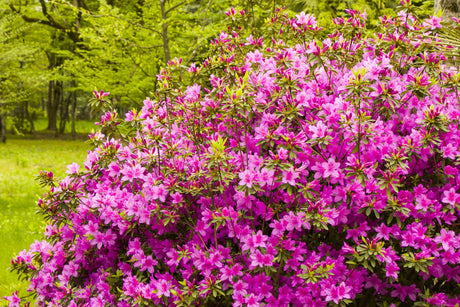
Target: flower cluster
[[300, 169]]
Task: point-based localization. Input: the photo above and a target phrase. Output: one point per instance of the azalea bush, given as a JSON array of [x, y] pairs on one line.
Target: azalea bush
[[301, 168]]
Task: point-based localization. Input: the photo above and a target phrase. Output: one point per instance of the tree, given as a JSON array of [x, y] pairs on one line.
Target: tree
[[63, 27], [450, 8], [114, 45], [22, 73]]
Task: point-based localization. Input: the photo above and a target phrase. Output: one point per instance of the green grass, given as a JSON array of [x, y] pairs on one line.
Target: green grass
[[81, 126], [20, 163]]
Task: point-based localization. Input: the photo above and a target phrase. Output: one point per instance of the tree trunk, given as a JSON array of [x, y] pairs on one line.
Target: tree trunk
[[29, 118], [164, 30], [54, 101], [64, 113], [2, 128], [450, 8], [55, 93], [73, 111]]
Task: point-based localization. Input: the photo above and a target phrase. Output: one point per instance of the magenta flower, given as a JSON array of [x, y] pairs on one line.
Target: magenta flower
[[337, 293], [290, 176], [266, 177], [451, 197], [439, 299], [392, 270], [402, 292], [261, 260], [73, 168], [329, 169], [101, 94], [13, 300], [248, 178], [132, 172], [447, 239], [163, 288]]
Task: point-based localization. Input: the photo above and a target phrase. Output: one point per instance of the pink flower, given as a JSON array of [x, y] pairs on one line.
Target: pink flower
[[159, 192], [290, 176], [293, 221], [132, 172], [451, 197], [337, 293], [446, 238], [266, 176], [163, 288], [261, 260], [308, 19], [392, 270], [319, 131], [14, 300], [248, 178], [253, 300], [254, 241], [328, 169], [450, 151], [100, 94], [433, 23], [402, 292], [73, 168], [192, 93]]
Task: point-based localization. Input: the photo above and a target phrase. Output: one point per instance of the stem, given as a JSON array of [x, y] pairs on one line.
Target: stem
[[269, 197], [215, 234], [226, 203], [359, 130]]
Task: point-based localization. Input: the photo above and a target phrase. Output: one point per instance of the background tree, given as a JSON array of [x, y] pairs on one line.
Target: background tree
[[22, 72], [450, 8], [116, 45], [121, 46]]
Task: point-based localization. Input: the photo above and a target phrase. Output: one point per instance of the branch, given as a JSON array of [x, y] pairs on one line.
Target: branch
[[139, 46], [29, 19], [197, 46], [121, 18], [81, 3], [50, 18], [74, 36], [175, 7]]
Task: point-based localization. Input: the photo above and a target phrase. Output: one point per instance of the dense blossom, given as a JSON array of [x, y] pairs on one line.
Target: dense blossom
[[301, 169]]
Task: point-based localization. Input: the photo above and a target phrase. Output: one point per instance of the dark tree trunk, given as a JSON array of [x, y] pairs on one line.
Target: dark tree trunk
[[73, 111], [54, 101], [164, 30], [64, 114], [55, 94], [450, 8], [2, 128], [29, 118]]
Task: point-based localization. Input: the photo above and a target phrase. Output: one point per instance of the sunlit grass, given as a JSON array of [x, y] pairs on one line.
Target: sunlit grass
[[81, 126], [20, 163], [41, 124]]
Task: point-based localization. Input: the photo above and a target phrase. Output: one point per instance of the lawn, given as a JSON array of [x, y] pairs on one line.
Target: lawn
[[20, 163]]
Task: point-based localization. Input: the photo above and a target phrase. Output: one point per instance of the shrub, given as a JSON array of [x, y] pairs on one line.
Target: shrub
[[299, 168]]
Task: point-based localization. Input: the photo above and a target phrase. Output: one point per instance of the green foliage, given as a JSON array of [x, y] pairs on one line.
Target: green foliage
[[21, 76], [121, 45]]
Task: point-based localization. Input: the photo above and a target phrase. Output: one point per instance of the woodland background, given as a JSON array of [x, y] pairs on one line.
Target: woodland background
[[54, 53]]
